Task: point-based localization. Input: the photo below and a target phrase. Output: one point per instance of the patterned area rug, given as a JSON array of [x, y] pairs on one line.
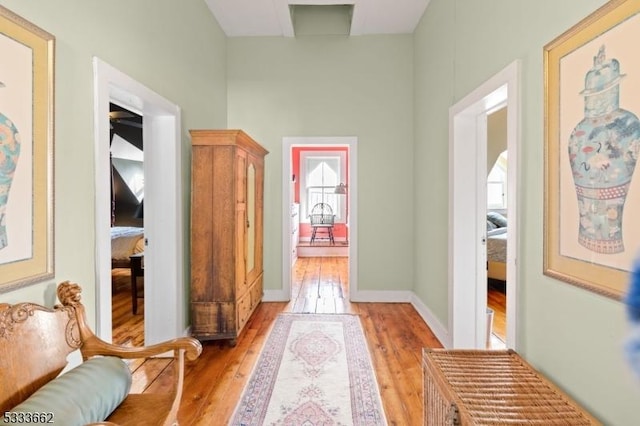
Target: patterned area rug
[[313, 370]]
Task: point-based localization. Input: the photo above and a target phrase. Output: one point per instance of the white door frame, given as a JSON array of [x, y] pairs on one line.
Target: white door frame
[[164, 300], [287, 144], [467, 249]]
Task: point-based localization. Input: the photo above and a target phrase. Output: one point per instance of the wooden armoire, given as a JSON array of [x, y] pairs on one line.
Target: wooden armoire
[[227, 181]]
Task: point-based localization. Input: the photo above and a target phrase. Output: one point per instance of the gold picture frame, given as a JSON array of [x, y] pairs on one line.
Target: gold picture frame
[[26, 152], [592, 142]]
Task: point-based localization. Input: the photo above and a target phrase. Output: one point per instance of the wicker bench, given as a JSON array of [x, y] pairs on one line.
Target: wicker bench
[[35, 342], [473, 387]]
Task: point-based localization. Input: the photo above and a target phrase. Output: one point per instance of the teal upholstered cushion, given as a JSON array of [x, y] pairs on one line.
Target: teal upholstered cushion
[[85, 394]]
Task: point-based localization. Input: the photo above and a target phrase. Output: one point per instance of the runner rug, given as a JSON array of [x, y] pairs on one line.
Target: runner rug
[[313, 370]]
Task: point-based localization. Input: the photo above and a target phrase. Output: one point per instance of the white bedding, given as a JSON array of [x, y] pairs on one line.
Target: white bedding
[[125, 241], [497, 245]]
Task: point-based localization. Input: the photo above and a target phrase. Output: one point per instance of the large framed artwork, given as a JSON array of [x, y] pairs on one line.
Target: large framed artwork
[[592, 144], [26, 152]]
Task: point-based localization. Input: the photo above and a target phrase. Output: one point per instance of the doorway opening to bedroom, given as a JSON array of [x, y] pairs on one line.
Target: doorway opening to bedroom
[[127, 225], [319, 223], [497, 214], [469, 319], [164, 308]]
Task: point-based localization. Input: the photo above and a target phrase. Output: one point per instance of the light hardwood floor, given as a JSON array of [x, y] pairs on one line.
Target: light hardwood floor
[[214, 382], [127, 328], [497, 300]]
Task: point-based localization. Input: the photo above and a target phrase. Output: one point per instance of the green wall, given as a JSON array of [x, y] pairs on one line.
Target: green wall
[[178, 51], [572, 335], [335, 86]]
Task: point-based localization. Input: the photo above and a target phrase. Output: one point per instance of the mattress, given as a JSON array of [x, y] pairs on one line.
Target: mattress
[[497, 245]]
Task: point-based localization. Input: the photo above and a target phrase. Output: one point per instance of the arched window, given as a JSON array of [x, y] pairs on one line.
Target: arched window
[[322, 172], [497, 184]]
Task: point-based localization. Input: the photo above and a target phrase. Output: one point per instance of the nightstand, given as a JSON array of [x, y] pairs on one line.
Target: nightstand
[[137, 270]]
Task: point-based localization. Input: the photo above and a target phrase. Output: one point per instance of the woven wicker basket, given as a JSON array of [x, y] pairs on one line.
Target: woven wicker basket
[[473, 387]]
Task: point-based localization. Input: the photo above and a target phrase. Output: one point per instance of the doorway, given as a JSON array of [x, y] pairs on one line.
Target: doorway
[[163, 254], [127, 225], [497, 226], [468, 319], [345, 196]]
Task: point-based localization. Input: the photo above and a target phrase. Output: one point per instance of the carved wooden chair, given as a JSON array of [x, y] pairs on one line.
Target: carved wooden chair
[[35, 342]]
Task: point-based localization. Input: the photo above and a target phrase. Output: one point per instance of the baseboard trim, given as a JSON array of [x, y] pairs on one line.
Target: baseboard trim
[[373, 296], [323, 251], [275, 296], [432, 321]]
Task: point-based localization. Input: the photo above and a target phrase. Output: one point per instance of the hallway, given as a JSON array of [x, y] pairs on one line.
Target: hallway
[[395, 333]]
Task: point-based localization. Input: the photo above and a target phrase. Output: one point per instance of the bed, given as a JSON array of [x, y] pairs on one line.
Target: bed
[[496, 246], [125, 241]]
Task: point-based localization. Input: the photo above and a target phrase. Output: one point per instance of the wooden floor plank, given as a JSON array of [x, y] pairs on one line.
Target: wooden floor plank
[[497, 300], [127, 328], [142, 378], [236, 372], [200, 378], [403, 357], [389, 392]]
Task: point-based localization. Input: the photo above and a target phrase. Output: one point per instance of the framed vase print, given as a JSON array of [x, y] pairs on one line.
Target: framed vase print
[[26, 152], [592, 145]]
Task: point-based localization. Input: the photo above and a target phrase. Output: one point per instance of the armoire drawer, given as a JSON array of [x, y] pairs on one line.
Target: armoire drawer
[[244, 309], [256, 292]]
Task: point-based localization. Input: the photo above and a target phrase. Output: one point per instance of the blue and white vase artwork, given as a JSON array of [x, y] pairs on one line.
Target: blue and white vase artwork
[[603, 151], [9, 155]]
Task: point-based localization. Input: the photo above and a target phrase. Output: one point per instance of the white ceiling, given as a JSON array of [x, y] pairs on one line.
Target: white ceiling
[[272, 17]]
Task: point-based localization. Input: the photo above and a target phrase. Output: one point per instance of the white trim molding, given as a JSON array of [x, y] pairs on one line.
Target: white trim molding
[[382, 296], [439, 330], [164, 304], [467, 238], [287, 144]]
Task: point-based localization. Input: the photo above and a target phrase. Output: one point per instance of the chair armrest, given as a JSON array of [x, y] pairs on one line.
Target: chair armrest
[[164, 405], [94, 346]]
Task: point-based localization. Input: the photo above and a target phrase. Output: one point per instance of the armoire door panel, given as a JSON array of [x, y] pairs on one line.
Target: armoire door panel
[[259, 213], [221, 216], [241, 177], [241, 249], [241, 222], [201, 226], [255, 172]]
